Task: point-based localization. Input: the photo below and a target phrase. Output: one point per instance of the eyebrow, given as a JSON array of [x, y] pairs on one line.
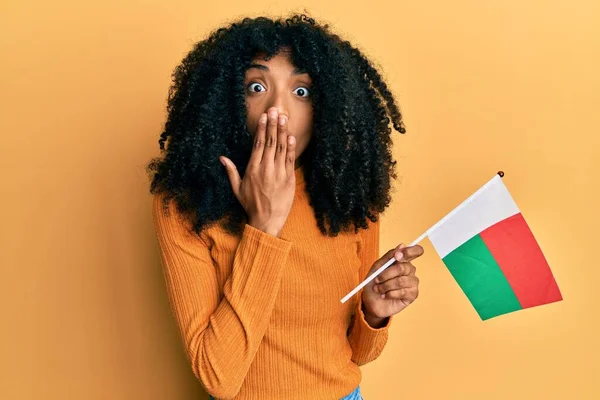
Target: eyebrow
[[296, 71]]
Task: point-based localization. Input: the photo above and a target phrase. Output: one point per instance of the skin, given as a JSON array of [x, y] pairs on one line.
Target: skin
[[394, 289], [275, 84], [279, 117], [276, 89]]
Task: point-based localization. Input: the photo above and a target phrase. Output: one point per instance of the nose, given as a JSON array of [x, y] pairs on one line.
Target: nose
[[280, 110], [279, 99]]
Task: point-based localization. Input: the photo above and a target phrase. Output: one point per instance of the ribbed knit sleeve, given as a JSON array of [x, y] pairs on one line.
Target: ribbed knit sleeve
[[221, 334], [367, 343]]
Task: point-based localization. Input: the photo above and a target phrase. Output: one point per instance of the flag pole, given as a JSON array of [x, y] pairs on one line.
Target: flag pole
[[426, 233]]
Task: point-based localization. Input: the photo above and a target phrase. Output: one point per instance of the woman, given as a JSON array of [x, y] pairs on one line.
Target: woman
[[266, 209]]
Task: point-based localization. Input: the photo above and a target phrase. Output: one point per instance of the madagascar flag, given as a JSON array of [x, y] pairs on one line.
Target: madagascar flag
[[492, 254]]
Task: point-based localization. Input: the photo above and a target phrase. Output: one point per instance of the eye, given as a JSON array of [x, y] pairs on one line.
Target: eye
[[303, 91], [255, 83]]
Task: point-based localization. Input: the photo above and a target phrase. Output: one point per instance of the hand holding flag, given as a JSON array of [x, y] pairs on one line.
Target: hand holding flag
[[395, 288]]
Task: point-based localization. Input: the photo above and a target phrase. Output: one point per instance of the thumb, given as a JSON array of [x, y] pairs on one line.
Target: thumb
[[396, 253], [233, 174], [392, 253]]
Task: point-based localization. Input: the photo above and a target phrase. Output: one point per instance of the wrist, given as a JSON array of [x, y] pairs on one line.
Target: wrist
[[265, 228], [373, 321]]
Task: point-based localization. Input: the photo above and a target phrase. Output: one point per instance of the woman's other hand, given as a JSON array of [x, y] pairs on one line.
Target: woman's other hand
[[267, 190]]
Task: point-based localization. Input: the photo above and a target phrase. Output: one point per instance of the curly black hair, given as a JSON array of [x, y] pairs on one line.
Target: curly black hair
[[348, 162]]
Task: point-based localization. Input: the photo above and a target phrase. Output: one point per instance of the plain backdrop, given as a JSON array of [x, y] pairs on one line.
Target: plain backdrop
[[483, 86]]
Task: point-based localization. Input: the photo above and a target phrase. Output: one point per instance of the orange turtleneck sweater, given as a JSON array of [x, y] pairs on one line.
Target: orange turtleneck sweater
[[260, 316]]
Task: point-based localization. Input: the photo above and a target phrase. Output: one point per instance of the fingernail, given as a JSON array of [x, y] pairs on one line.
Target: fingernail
[[272, 113], [399, 255], [282, 119], [222, 161]]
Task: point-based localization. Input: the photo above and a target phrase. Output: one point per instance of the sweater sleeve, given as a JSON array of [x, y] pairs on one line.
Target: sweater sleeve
[[366, 342], [221, 332]]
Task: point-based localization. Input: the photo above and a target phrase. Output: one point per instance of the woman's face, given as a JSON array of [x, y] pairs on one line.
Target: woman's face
[[277, 84]]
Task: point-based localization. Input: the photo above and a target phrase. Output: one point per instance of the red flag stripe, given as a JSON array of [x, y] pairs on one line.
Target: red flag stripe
[[518, 254]]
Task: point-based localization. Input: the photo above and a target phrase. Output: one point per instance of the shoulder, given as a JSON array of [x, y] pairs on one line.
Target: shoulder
[[170, 221], [164, 209]]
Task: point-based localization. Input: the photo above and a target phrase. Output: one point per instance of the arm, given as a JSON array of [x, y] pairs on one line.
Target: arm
[[221, 334], [367, 342]]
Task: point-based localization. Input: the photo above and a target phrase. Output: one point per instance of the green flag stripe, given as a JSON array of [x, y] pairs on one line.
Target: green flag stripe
[[481, 279]]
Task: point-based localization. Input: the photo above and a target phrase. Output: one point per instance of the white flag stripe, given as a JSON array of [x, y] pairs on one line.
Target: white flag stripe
[[478, 212]]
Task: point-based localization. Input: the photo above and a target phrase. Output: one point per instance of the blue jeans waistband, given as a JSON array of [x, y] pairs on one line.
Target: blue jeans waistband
[[355, 395]]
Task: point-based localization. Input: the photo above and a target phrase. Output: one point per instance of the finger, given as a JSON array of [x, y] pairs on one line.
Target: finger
[[259, 141], [395, 253], [290, 158], [394, 294], [233, 174], [268, 156], [412, 252], [281, 149], [406, 295], [399, 282], [389, 255], [397, 269]]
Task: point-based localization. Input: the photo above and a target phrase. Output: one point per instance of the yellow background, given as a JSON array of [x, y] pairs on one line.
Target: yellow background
[[483, 85]]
